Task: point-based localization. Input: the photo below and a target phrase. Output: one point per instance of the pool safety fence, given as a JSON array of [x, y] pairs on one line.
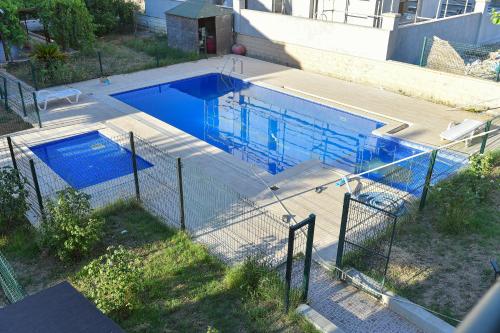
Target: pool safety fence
[[481, 61], [382, 200], [176, 191], [18, 107]]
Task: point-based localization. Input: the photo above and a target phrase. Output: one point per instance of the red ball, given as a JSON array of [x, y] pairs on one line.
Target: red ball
[[239, 49]]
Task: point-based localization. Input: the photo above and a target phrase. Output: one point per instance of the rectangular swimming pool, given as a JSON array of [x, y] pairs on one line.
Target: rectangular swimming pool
[[87, 159], [267, 128]]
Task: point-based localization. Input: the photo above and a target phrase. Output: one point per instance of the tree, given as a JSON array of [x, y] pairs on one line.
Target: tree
[[112, 15], [495, 17], [68, 23], [11, 31]]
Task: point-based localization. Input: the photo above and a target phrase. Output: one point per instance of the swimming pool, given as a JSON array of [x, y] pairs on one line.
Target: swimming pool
[[267, 128], [87, 159]]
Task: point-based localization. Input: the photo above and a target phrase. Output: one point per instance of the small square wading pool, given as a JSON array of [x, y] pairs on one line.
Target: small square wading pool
[[87, 159]]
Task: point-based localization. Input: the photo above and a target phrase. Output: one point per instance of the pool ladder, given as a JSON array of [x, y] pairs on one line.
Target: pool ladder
[[233, 69]]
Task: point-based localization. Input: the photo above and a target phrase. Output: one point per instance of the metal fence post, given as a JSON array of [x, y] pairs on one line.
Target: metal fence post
[[35, 101], [6, 94], [308, 256], [134, 166], [12, 155], [422, 52], [343, 227], [289, 262], [22, 97], [428, 179], [181, 194], [157, 59], [37, 188], [485, 137], [33, 75], [100, 62]]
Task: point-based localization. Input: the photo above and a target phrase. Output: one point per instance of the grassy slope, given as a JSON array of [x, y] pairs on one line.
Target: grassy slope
[[447, 272], [186, 289]]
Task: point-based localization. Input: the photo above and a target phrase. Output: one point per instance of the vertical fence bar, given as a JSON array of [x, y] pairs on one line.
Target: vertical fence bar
[[428, 179], [389, 252], [157, 56], [134, 166], [12, 155], [308, 257], [100, 63], [37, 188], [181, 194], [35, 101], [6, 94], [289, 263], [22, 97], [422, 52], [343, 227], [485, 137], [33, 75]]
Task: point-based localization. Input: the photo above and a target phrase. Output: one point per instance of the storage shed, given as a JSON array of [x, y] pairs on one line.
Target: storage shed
[[200, 26]]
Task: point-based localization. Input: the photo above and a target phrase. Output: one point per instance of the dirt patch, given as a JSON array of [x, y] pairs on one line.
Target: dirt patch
[[447, 273]]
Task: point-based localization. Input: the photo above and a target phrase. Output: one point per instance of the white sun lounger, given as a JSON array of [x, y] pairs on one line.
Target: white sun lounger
[[458, 131], [45, 96]]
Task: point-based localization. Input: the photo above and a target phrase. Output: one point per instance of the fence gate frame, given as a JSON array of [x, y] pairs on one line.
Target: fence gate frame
[[310, 223], [344, 230]]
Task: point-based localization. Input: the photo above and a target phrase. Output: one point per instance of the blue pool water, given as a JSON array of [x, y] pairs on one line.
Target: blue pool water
[[266, 128], [87, 159]]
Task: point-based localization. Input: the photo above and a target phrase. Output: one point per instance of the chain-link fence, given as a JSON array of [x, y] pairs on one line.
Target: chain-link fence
[[481, 61], [114, 54], [18, 109], [381, 199], [151, 23], [178, 192]]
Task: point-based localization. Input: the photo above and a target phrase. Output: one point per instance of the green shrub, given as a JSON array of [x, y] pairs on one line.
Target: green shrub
[[48, 53], [246, 276], [69, 230], [13, 195], [458, 199], [10, 28], [113, 281], [112, 15], [68, 23]]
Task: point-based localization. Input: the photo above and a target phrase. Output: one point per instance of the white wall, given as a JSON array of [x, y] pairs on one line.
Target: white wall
[[157, 8], [328, 36], [460, 28], [262, 5]]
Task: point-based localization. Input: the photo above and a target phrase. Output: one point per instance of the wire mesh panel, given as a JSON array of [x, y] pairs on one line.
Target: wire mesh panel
[[16, 113], [459, 58], [11, 288], [368, 237], [158, 185], [230, 224]]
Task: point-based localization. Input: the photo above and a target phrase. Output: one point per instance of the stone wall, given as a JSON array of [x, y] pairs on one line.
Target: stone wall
[[224, 33], [183, 33], [446, 88]]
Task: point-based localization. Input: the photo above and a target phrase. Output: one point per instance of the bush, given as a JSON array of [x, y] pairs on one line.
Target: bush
[[48, 53], [13, 195], [10, 28], [69, 230], [246, 276], [68, 23], [112, 281], [459, 199], [112, 15]]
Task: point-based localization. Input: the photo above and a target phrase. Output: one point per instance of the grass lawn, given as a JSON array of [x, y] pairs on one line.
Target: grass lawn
[[185, 288], [120, 54], [444, 270]]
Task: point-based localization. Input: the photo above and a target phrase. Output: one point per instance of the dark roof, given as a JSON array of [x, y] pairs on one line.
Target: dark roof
[[59, 309], [196, 9]]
